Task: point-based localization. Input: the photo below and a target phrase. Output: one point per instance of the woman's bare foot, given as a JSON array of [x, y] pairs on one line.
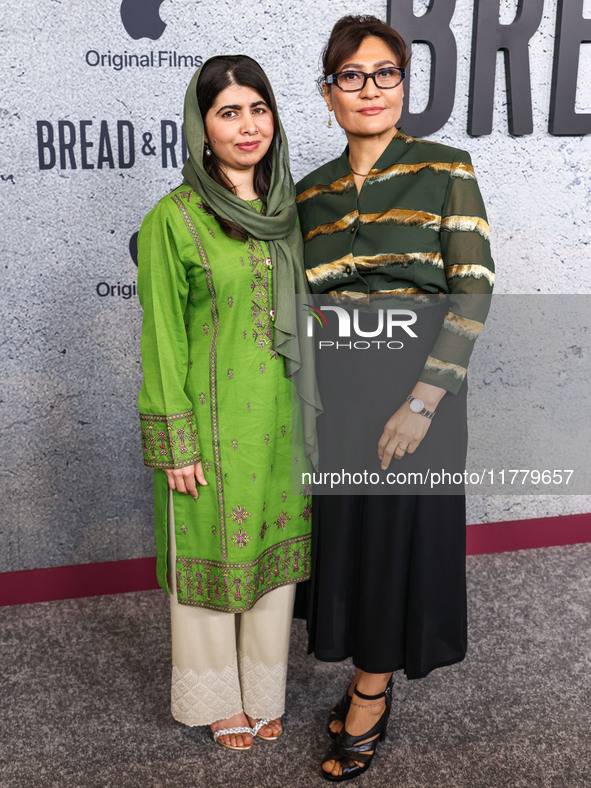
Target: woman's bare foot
[[271, 730], [335, 725], [241, 740]]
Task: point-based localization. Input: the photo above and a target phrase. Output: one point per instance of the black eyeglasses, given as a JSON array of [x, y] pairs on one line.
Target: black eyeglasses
[[353, 81]]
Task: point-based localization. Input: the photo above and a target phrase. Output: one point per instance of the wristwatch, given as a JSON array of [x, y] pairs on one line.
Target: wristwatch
[[418, 406]]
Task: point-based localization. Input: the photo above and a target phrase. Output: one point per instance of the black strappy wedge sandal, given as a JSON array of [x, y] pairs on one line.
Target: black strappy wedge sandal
[[338, 713], [355, 753], [341, 709]]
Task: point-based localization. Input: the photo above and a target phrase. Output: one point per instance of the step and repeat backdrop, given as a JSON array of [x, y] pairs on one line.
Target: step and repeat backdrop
[[91, 124]]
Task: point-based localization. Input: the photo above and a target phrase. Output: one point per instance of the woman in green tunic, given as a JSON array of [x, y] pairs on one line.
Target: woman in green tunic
[[219, 258]]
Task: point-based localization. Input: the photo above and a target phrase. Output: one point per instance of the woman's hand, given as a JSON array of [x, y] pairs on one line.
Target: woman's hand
[[183, 479], [405, 430]]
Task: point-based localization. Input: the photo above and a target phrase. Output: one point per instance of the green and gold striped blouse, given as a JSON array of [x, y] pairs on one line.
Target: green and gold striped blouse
[[417, 226]]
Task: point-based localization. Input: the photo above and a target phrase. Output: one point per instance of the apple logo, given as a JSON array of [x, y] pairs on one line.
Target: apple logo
[[141, 18], [133, 247]]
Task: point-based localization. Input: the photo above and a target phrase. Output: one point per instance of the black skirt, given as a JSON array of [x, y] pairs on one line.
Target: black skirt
[[388, 583]]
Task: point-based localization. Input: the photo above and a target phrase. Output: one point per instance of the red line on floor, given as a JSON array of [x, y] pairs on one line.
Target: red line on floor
[[79, 580], [527, 534], [139, 574]]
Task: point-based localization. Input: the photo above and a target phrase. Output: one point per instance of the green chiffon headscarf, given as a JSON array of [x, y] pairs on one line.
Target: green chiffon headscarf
[[279, 229]]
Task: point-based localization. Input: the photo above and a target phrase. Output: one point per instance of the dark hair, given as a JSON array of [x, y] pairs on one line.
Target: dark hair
[[218, 73], [346, 38]]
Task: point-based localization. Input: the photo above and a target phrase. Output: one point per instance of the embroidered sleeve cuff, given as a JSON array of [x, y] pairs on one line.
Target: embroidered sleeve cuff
[[170, 441]]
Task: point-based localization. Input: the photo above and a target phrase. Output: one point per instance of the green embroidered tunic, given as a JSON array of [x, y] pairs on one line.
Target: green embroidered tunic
[[215, 390], [417, 226]]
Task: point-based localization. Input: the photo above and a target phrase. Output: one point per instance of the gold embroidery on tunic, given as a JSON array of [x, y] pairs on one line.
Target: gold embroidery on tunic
[[396, 170], [234, 587], [374, 262], [348, 297], [167, 438], [404, 291], [322, 273], [464, 171], [329, 270], [403, 216], [469, 224], [462, 326], [477, 271], [339, 186], [445, 368], [332, 227], [408, 139], [345, 297], [346, 182]]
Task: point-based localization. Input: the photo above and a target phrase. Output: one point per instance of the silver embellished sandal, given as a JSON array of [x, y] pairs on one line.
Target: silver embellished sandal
[[261, 724], [238, 729]]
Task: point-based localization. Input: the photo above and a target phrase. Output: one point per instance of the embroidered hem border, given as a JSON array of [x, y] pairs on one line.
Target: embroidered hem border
[[234, 588]]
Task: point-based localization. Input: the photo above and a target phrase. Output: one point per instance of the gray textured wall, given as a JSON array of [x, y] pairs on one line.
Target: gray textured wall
[[74, 489]]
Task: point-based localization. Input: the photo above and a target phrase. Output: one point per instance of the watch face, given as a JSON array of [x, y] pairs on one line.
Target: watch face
[[417, 405]]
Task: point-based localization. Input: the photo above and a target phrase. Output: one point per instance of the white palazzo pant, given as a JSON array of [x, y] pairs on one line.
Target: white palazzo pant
[[225, 663]]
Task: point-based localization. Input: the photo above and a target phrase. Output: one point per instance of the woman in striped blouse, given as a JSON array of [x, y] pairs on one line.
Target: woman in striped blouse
[[393, 216]]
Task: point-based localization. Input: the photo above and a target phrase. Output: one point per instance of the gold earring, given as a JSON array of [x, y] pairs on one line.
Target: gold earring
[[329, 124]]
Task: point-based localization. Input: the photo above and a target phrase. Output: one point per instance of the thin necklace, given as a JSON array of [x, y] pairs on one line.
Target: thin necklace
[[361, 174]]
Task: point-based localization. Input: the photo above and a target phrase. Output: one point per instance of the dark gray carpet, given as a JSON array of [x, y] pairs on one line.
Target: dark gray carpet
[[84, 695]]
